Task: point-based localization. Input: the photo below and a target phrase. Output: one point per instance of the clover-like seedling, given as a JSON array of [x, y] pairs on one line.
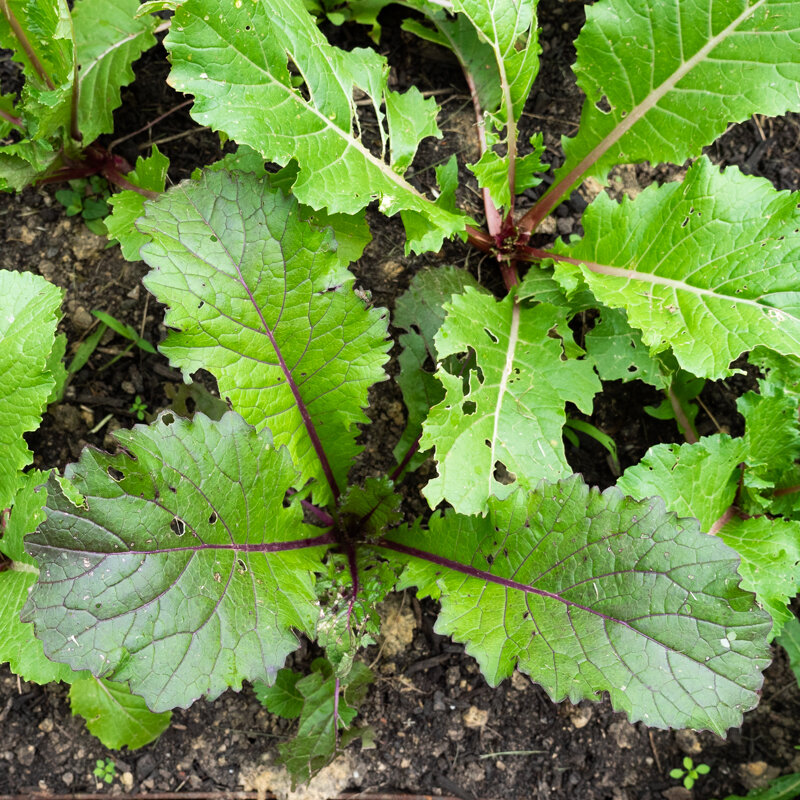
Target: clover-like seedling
[[105, 770], [690, 773]]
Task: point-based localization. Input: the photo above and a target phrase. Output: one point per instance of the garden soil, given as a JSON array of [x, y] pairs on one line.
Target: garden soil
[[439, 729]]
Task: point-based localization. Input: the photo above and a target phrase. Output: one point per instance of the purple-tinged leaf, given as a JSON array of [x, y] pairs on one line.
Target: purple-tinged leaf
[[180, 571], [589, 592]]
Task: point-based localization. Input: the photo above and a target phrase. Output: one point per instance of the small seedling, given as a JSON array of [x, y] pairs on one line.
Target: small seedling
[[690, 773], [105, 770], [139, 407], [87, 197]]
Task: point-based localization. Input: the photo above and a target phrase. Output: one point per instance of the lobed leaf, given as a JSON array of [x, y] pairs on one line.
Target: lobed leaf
[[706, 266], [510, 415], [265, 46], [109, 37], [179, 571], [590, 592], [324, 704], [262, 299], [662, 80]]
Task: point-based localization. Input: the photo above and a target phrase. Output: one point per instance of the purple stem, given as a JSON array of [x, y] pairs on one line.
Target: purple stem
[[323, 516], [298, 398], [12, 120], [267, 547], [400, 468], [474, 572]]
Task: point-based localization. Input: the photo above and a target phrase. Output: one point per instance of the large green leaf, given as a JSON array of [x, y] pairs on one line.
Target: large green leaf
[[109, 37], [114, 715], [590, 592], [29, 313], [262, 299], [264, 44], [675, 75], [708, 266], [512, 412], [180, 572]]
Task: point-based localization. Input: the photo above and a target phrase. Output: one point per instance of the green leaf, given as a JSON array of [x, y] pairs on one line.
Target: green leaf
[[282, 698], [510, 30], [337, 171], [695, 480], [128, 205], [705, 266], [109, 37], [492, 172], [18, 645], [590, 592], [511, 414], [30, 309], [410, 118], [675, 75], [181, 572], [315, 744], [42, 43], [262, 300], [770, 553], [373, 508], [618, 352], [114, 715], [420, 312], [789, 640]]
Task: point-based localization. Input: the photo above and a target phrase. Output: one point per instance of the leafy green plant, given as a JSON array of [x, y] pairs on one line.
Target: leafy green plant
[[30, 360], [105, 770], [189, 561], [139, 407], [74, 64], [690, 772], [87, 197]]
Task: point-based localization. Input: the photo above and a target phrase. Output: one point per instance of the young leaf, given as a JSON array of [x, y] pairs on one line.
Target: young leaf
[[114, 715], [109, 37], [675, 75], [590, 592], [312, 124], [706, 266], [180, 571], [262, 300], [696, 480], [29, 312], [512, 413], [151, 174], [328, 704]]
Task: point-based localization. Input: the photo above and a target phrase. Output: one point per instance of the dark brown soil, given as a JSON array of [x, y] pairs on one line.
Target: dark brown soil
[[425, 704]]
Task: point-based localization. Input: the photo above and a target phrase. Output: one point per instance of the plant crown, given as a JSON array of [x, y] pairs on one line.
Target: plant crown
[[189, 561]]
